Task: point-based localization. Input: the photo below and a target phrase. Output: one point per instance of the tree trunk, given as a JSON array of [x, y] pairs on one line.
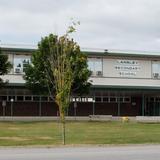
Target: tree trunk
[[62, 120], [63, 123], [64, 132]]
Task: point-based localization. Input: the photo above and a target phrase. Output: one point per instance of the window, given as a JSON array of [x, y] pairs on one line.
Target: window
[[78, 99], [44, 98], [154, 99], [98, 99], [113, 99], [83, 99], [157, 99], [156, 69], [20, 98], [95, 66], [20, 63], [121, 99], [28, 98], [11, 98], [105, 99], [127, 99], [3, 98], [36, 98]]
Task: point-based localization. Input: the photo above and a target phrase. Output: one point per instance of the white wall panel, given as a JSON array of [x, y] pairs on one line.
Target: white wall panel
[[125, 82], [134, 68]]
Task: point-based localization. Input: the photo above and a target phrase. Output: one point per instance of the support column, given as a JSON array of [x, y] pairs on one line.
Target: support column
[[93, 111], [143, 105], [40, 106], [12, 100], [154, 108], [4, 106], [75, 110], [119, 106], [159, 108], [93, 107]]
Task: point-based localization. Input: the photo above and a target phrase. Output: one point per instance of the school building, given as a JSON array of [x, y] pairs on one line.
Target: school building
[[124, 83]]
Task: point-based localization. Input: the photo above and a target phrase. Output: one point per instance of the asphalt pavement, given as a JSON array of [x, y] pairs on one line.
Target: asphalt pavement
[[138, 152]]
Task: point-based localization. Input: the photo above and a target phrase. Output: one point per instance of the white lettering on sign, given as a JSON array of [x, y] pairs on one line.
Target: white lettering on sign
[[132, 62], [127, 68]]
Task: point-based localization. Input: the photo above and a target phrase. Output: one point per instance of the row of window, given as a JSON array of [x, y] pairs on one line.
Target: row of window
[[73, 99], [113, 99], [42, 98], [95, 65], [107, 99], [153, 99], [26, 98]]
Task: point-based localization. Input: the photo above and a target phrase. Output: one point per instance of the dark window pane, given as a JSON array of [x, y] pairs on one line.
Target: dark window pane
[[157, 99], [113, 99], [127, 99], [151, 99], [44, 98], [20, 98], [105, 99], [36, 98], [28, 98], [4, 98], [98, 99], [121, 99], [11, 98]]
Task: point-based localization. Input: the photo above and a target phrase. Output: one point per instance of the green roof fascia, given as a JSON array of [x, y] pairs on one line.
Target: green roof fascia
[[103, 86], [19, 50], [15, 84], [133, 55], [125, 87], [107, 53], [94, 53]]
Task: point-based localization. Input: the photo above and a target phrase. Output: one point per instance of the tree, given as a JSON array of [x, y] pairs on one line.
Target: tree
[[5, 67], [58, 66]]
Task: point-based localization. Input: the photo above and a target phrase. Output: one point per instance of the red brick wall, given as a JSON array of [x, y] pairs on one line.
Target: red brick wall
[[106, 109], [83, 109]]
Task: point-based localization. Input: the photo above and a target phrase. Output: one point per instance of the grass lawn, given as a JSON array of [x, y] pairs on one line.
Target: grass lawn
[[49, 133]]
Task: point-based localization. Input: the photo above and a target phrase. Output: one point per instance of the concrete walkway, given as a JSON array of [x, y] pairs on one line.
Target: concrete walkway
[[150, 152]]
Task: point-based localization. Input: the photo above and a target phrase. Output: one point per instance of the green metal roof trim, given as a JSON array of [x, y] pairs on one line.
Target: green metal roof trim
[[15, 84], [95, 52], [133, 55], [121, 54], [18, 50], [101, 87], [125, 87]]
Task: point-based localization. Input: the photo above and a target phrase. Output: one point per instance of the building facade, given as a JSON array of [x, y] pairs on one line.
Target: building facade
[[123, 84]]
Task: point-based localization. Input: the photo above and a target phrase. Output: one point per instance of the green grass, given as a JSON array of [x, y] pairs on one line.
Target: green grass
[[49, 133]]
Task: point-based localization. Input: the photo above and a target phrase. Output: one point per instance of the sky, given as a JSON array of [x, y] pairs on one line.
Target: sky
[[104, 24]]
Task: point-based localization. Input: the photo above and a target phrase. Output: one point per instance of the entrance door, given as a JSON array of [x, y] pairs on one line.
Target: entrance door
[[153, 109]]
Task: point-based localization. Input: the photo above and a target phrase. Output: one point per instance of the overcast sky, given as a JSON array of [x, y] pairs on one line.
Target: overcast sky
[[113, 24]]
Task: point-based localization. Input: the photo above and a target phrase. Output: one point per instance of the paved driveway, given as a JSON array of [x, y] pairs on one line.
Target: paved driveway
[[150, 152]]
